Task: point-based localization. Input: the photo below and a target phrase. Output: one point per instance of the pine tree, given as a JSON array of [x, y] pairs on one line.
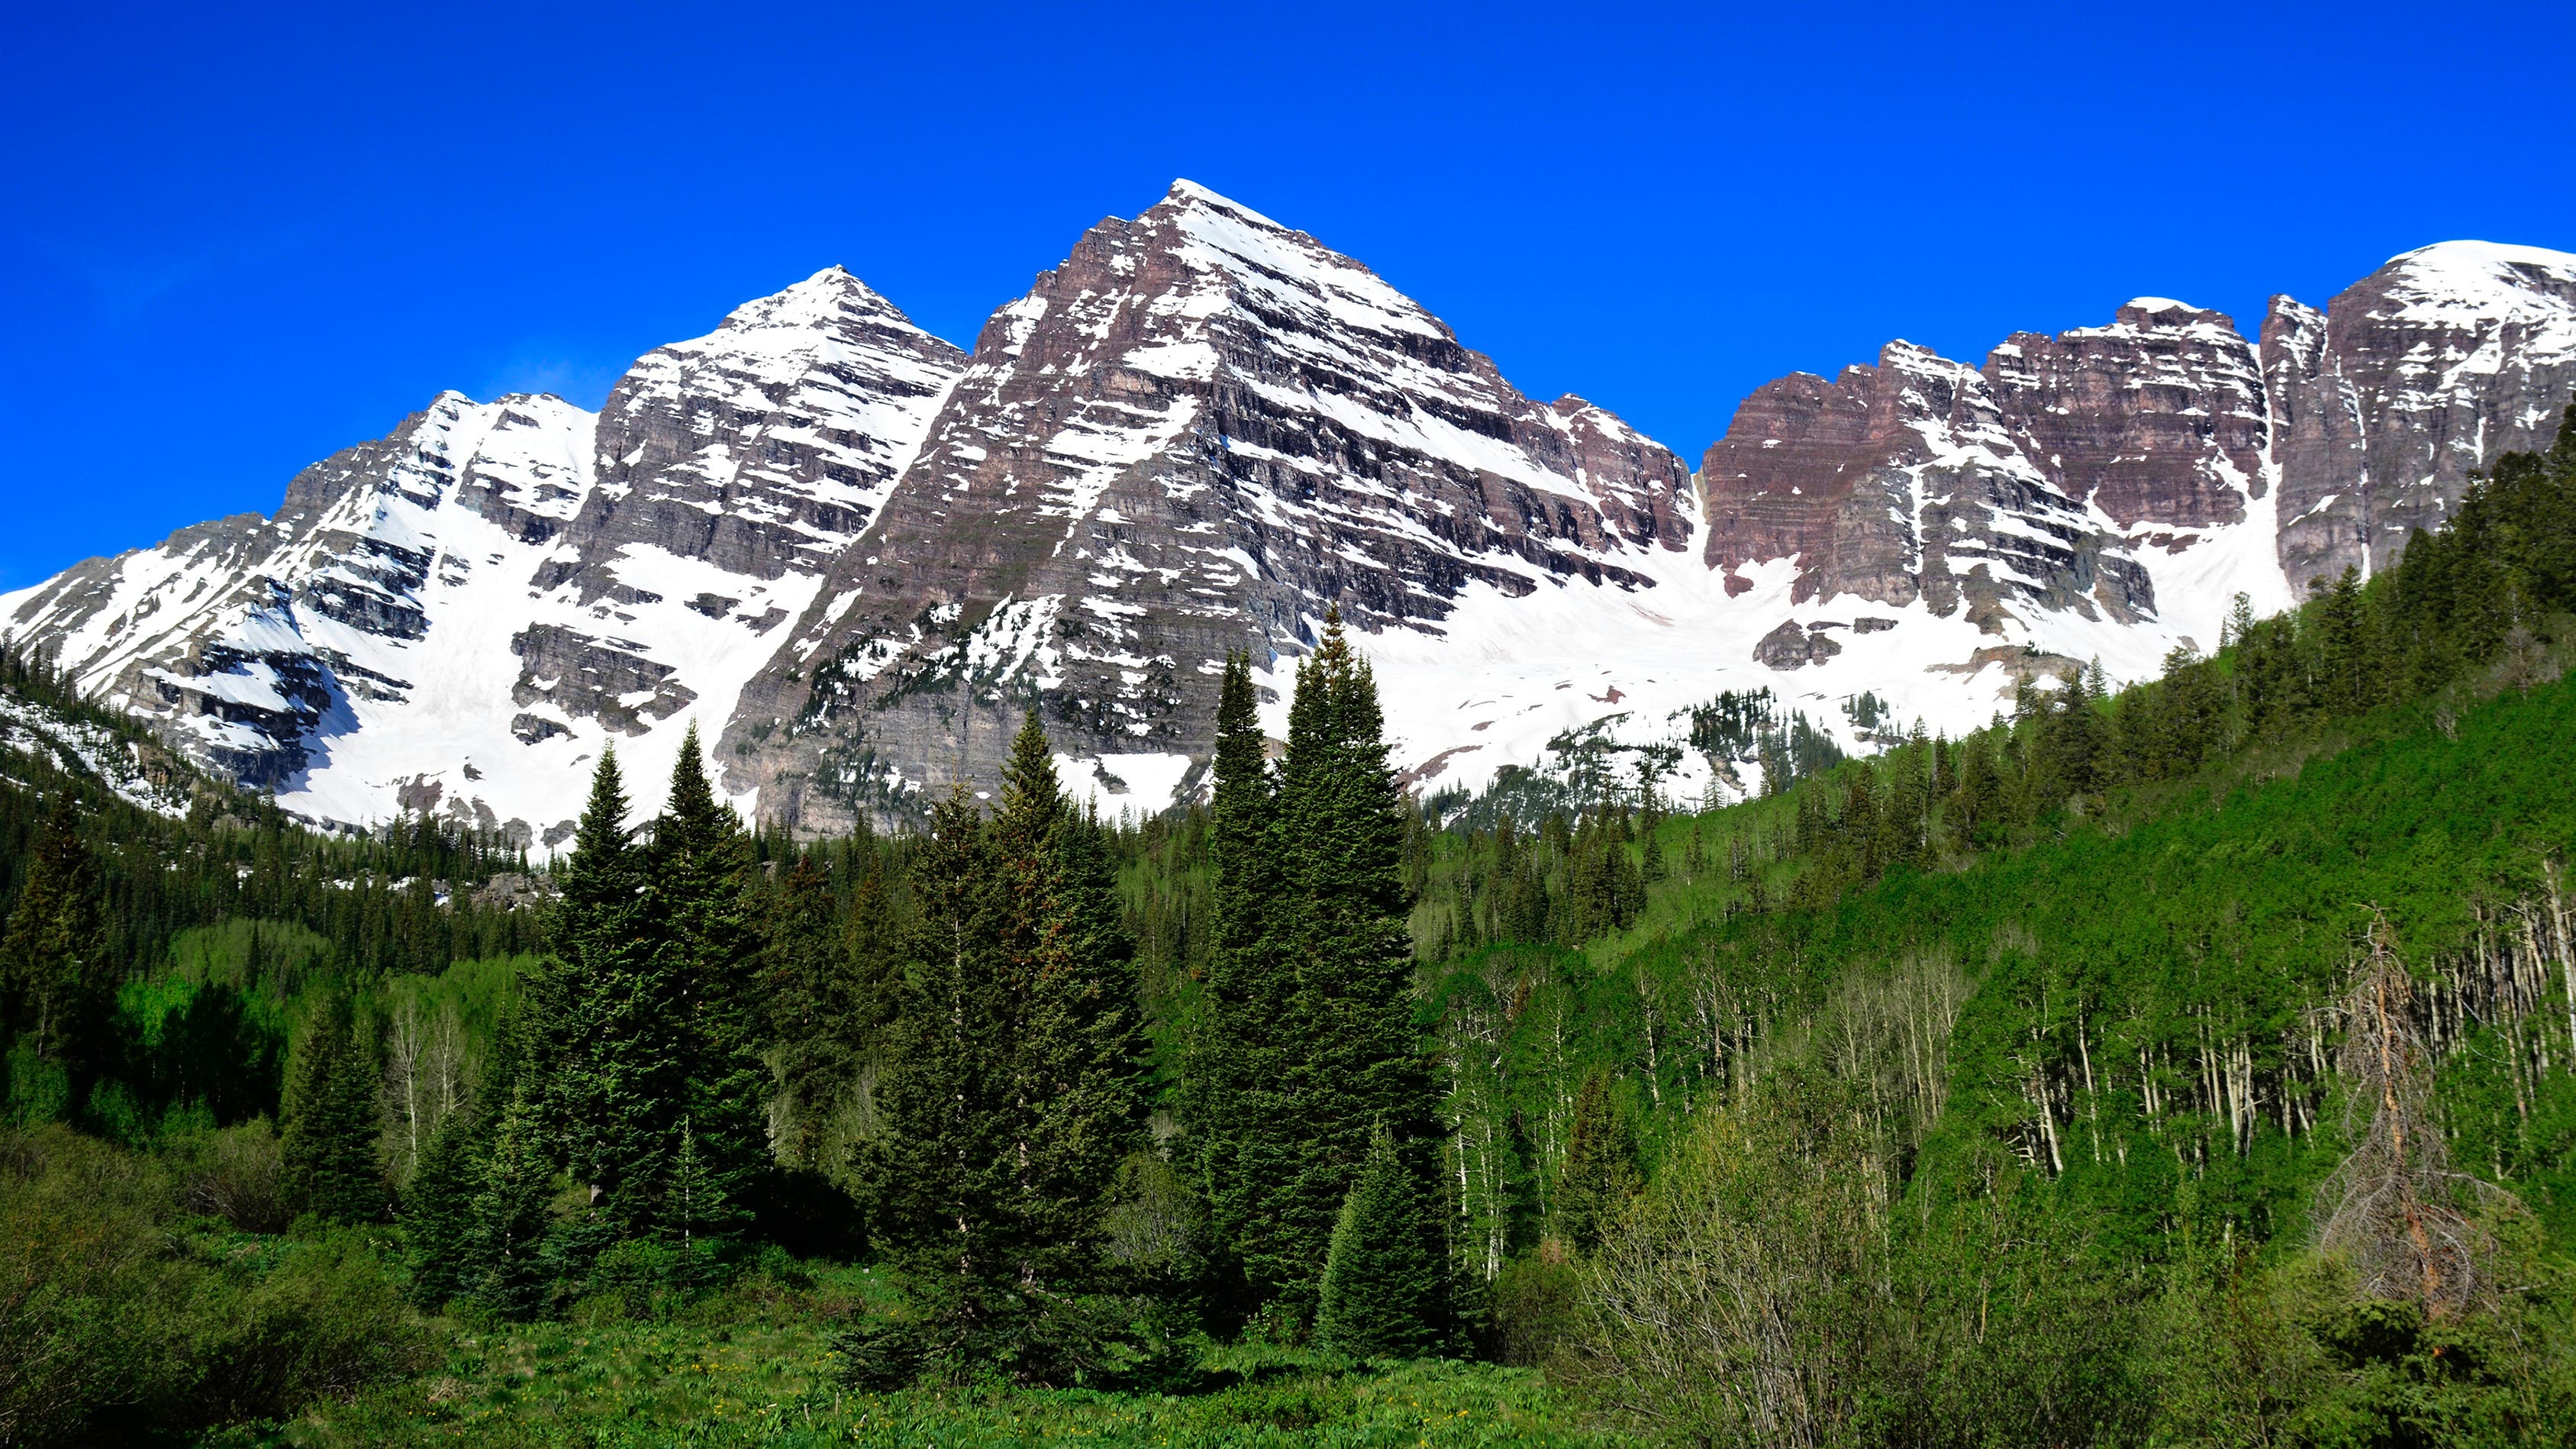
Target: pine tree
[[507, 1249], [1079, 1055], [327, 1147], [697, 1209], [941, 1178], [2346, 672], [438, 1221], [1235, 1076], [1600, 1168], [1358, 1063], [608, 1063], [706, 962], [1384, 1276], [59, 982], [816, 1015]]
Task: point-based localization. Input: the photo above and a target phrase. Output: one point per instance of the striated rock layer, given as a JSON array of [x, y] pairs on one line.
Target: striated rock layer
[[1191, 438], [852, 554]]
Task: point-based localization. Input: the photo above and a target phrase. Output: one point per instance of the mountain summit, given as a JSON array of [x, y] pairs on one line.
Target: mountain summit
[[854, 555]]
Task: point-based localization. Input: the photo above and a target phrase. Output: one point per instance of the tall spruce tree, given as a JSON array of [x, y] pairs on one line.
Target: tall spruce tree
[[940, 1177], [608, 1060], [1014, 1088], [1080, 1051], [1350, 1059], [327, 1146], [1236, 1076], [815, 1011], [506, 1250], [1385, 1264], [705, 961], [59, 982]]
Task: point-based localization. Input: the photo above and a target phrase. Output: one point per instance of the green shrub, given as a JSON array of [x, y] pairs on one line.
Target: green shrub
[[1537, 1298], [116, 1318]]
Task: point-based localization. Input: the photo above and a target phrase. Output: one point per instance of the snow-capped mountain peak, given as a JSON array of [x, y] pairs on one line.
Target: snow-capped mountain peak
[[854, 555]]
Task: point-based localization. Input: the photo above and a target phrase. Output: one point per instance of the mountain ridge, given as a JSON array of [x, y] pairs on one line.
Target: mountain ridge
[[852, 554]]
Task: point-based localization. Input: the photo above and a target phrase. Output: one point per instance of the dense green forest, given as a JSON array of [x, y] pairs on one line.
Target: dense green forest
[[2192, 1063]]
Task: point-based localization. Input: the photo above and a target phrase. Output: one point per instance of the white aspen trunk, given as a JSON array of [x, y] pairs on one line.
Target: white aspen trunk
[[2566, 959]]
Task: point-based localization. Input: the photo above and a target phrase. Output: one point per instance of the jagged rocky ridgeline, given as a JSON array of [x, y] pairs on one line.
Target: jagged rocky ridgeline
[[852, 554]]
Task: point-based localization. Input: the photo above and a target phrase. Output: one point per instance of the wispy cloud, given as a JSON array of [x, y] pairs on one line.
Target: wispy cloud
[[581, 382], [126, 281]]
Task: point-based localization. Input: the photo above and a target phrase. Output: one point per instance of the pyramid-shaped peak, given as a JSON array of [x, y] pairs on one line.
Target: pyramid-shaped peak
[[831, 297], [1188, 193], [1218, 236]]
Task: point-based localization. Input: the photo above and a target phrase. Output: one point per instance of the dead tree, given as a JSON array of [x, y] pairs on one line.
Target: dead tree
[[2390, 1208]]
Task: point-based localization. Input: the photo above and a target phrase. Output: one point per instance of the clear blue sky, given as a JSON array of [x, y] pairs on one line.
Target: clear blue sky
[[230, 246]]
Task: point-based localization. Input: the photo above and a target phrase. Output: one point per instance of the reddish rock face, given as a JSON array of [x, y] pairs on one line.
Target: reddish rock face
[[2158, 418], [765, 446], [2413, 378], [1192, 437], [2368, 419], [1906, 481]]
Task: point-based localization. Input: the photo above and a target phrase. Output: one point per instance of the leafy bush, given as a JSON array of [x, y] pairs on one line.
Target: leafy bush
[[118, 1314], [234, 1173]]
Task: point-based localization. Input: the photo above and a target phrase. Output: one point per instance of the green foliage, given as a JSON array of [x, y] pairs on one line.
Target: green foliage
[[608, 1063], [758, 1368], [1013, 1091], [706, 966], [1384, 1279], [1600, 1172], [126, 1312], [57, 980], [505, 1265], [331, 1125]]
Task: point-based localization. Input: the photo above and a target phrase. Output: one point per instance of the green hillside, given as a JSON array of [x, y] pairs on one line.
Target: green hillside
[[2191, 1064]]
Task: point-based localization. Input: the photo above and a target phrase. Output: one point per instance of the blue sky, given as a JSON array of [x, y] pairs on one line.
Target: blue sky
[[230, 245]]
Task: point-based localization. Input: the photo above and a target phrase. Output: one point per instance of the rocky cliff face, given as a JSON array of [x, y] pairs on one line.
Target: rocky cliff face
[[457, 617], [852, 555], [1909, 481], [1192, 437], [2157, 419], [251, 642], [2160, 450], [2412, 378]]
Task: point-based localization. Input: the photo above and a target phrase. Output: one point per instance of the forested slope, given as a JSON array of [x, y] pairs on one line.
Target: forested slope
[[2190, 1064]]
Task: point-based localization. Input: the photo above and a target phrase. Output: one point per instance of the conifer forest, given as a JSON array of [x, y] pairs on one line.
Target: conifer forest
[[2188, 1063]]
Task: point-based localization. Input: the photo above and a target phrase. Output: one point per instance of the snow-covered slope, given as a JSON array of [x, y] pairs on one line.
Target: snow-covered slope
[[2413, 377], [1192, 437], [852, 555], [459, 618], [136, 770]]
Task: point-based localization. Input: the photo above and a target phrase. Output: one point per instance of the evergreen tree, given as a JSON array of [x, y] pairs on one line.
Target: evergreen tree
[[705, 963], [1079, 1055], [1014, 1085], [507, 1259], [608, 1061], [327, 1146], [2347, 657], [438, 1212], [1235, 1092], [1600, 1168], [58, 978], [1384, 1275], [942, 1178], [697, 1209], [1358, 1063], [816, 1015]]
